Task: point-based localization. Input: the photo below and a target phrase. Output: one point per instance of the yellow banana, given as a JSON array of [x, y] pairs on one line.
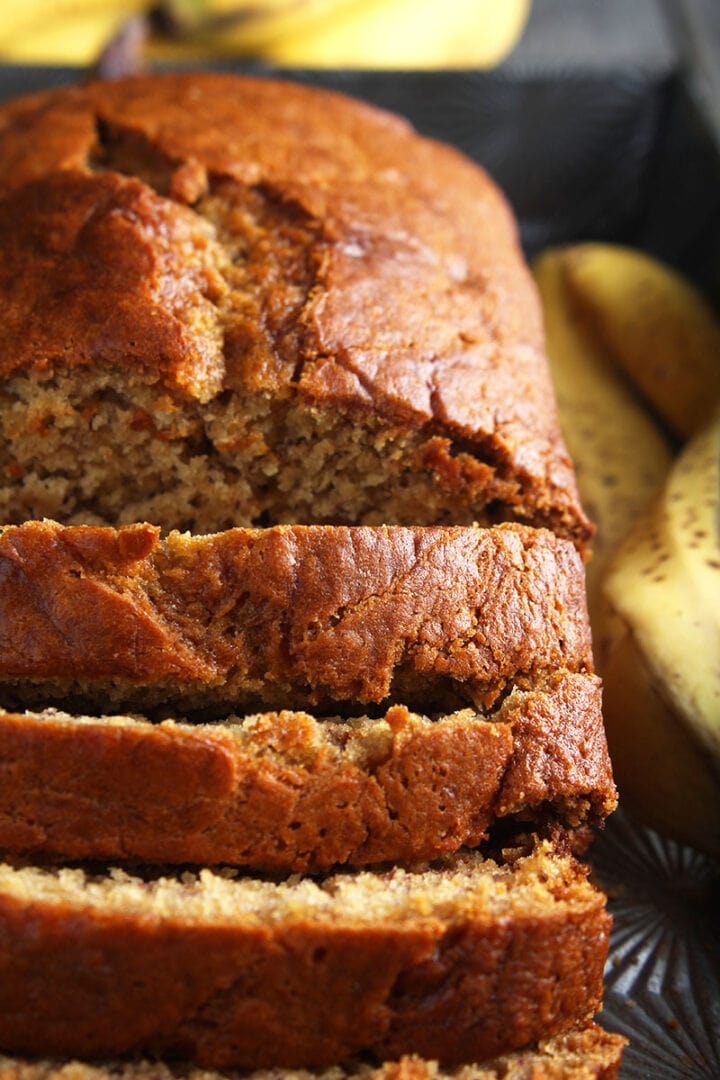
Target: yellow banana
[[621, 457], [408, 34], [656, 324], [60, 31], [311, 33], [660, 650], [250, 27]]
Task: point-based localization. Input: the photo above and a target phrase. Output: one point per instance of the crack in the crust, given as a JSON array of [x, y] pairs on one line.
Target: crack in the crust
[[408, 648], [513, 485], [39, 598], [420, 558], [484, 449], [97, 153], [256, 271], [287, 339], [295, 264], [132, 153], [270, 286], [285, 334]]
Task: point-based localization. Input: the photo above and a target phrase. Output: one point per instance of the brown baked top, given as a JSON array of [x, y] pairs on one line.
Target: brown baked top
[[218, 233], [460, 962], [287, 616], [292, 792]]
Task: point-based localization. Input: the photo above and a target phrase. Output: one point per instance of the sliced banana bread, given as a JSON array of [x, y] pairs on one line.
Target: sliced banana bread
[[290, 791], [262, 302], [458, 962], [583, 1053], [287, 617]]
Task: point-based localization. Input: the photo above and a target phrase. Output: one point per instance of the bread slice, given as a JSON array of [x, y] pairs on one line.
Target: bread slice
[[458, 962], [290, 791], [286, 618], [583, 1053], [263, 303]]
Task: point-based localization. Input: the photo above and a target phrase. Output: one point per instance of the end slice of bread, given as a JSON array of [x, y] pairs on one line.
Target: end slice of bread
[[263, 302]]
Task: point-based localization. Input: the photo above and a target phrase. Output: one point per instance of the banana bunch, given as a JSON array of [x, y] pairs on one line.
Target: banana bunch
[[635, 351], [308, 33], [621, 456], [661, 652], [661, 331], [407, 34]]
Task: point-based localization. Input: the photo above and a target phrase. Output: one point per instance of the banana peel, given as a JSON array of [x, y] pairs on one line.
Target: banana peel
[[659, 650], [621, 456], [308, 33], [657, 326]]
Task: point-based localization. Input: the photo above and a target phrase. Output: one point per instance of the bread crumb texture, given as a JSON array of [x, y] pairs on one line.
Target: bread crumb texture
[[583, 1053], [455, 961], [464, 885]]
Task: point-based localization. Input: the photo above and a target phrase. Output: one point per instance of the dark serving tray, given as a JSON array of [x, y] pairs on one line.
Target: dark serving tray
[[608, 134], [662, 981]]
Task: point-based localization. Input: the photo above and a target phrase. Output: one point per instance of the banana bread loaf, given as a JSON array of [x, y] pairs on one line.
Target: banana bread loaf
[[262, 303], [458, 962], [287, 617], [583, 1053], [293, 792], [283, 305]]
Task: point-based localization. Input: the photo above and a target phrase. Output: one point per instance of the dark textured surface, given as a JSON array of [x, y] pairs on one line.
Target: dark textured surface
[[662, 982]]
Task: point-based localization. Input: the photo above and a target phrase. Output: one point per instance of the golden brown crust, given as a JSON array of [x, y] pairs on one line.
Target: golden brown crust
[[289, 792], [585, 1053], [285, 617], [107, 263], [383, 274], [457, 984]]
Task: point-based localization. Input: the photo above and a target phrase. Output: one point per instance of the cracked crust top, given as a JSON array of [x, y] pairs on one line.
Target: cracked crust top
[[223, 234]]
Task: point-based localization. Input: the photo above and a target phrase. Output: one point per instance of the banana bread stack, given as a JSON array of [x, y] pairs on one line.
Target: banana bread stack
[[241, 767]]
